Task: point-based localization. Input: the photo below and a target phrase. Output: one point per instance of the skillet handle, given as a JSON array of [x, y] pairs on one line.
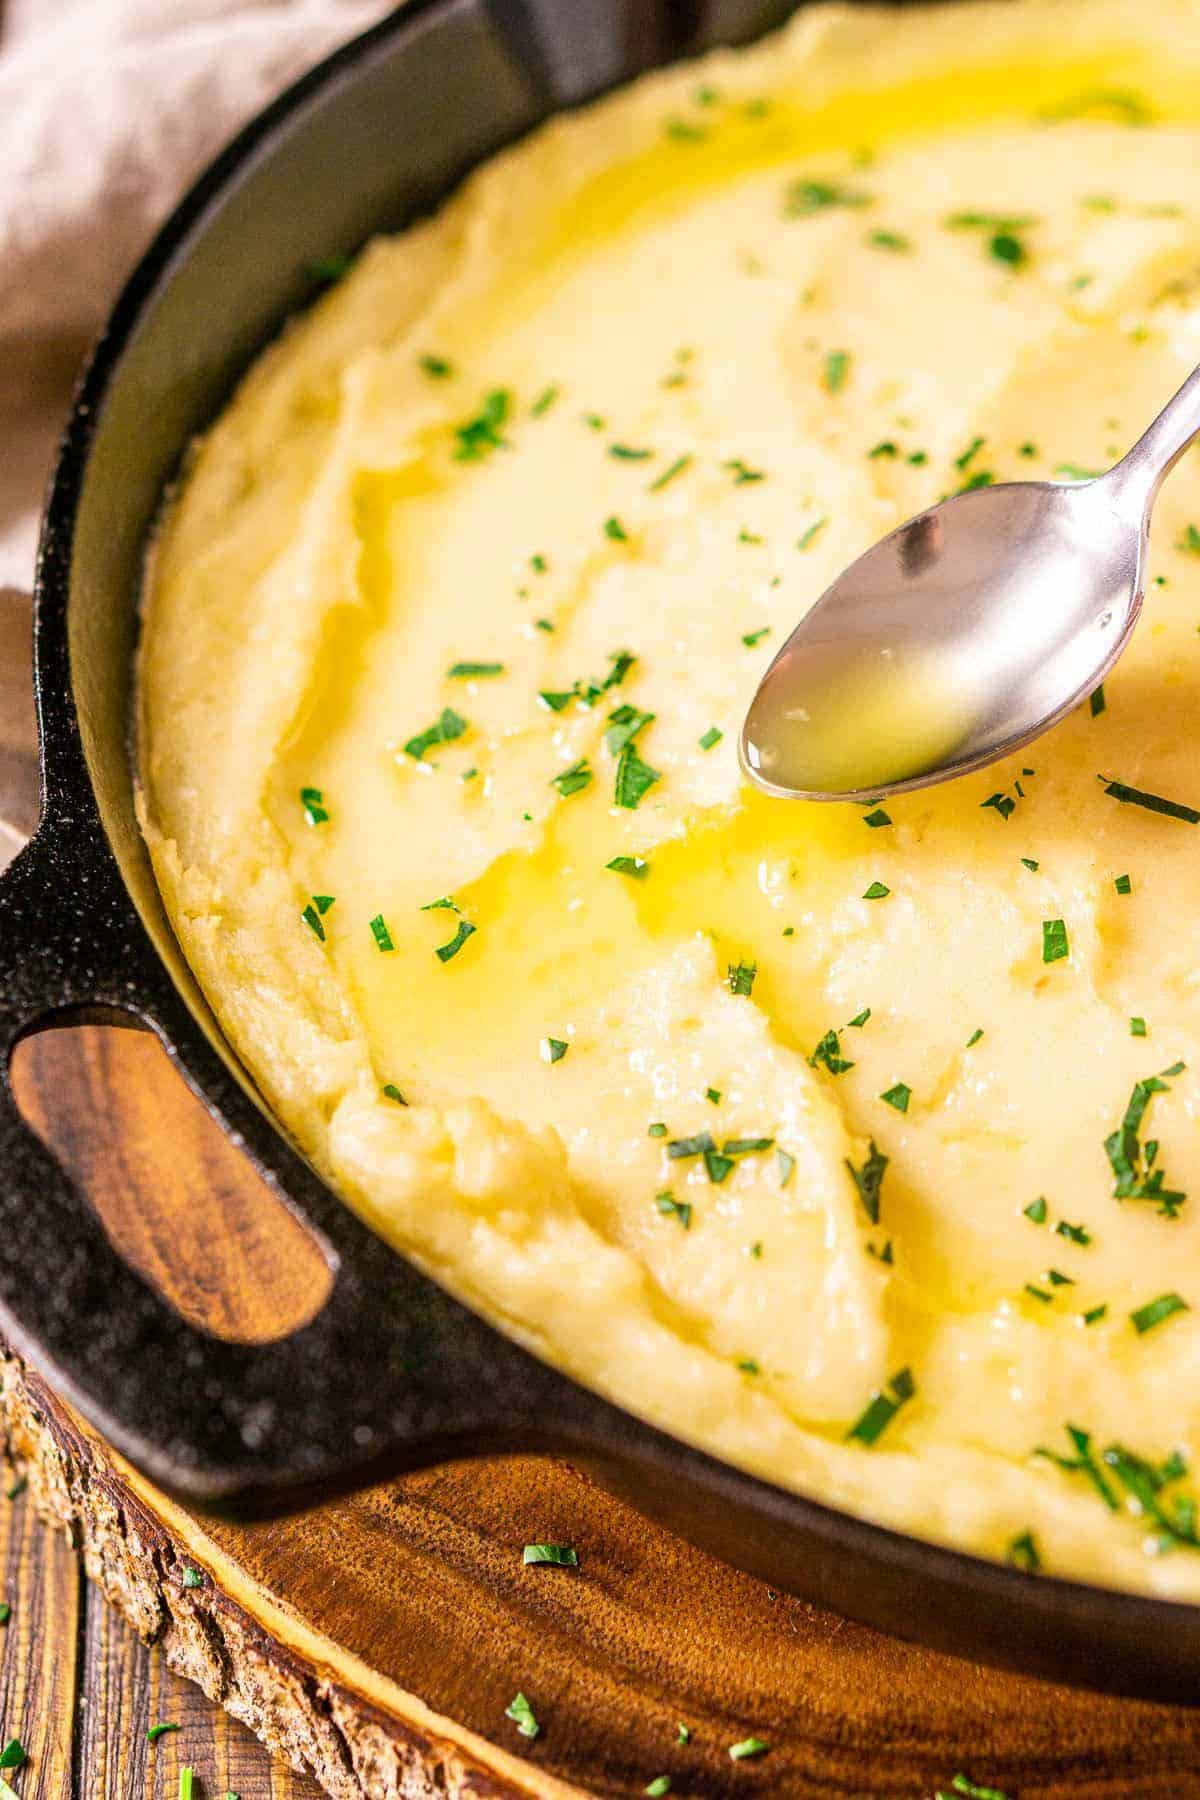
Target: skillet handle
[[390, 1373]]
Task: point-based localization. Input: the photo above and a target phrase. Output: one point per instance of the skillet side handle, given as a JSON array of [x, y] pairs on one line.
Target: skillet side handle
[[390, 1374]]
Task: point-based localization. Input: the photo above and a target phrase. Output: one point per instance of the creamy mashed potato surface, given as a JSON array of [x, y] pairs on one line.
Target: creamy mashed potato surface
[[804, 1131]]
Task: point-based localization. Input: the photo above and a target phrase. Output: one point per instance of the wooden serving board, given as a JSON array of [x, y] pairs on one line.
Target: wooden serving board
[[376, 1642]]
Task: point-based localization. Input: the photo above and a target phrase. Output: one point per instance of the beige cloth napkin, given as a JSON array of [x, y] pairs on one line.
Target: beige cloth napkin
[[108, 108]]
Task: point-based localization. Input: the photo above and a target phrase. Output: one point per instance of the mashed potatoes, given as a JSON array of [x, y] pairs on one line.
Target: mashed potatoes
[[806, 1132]]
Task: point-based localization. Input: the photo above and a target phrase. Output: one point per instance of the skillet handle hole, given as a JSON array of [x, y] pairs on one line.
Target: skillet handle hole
[[181, 1205]]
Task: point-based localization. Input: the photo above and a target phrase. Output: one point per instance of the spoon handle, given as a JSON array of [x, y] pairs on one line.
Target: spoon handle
[[1136, 479]]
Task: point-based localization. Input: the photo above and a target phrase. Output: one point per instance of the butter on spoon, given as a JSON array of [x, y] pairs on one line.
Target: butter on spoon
[[966, 632]]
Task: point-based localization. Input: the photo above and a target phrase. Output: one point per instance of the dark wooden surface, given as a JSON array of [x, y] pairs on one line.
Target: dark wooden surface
[[380, 1639]]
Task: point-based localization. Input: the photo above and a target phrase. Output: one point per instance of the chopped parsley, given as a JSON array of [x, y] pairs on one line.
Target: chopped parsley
[[877, 818], [1132, 1162], [637, 866], [785, 1166], [520, 1711], [750, 1746], [157, 1731], [699, 1145], [1137, 1026], [313, 802], [551, 1556], [970, 1790], [192, 1578], [898, 1096], [634, 778], [13, 1754], [1023, 1553], [713, 1095], [381, 934], [445, 952], [717, 1166], [669, 473], [806, 537], [742, 472], [974, 1037], [545, 400], [685, 1734], [869, 1180], [889, 240], [1075, 1234], [436, 366], [481, 435], [671, 1208], [658, 1129], [751, 638], [740, 977], [860, 1019], [746, 1146], [806, 197], [877, 891], [390, 1091], [1036, 1210], [659, 1786], [1144, 1484], [573, 780], [315, 912], [5, 1612], [1123, 884], [836, 370], [623, 726], [553, 1049], [970, 453], [444, 730], [628, 453], [1171, 809], [1145, 1318], [1031, 863], [1190, 541], [749, 1365], [882, 1408], [471, 671], [828, 1054], [614, 529], [711, 738], [1055, 944]]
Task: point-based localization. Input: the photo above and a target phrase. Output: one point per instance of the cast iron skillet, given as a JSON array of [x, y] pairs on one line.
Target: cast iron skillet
[[392, 1372]]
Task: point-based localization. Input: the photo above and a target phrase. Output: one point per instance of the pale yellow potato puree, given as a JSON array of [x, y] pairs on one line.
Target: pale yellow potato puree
[[606, 426]]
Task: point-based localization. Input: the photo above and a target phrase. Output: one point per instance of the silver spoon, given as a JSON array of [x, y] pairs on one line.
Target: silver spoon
[[964, 633]]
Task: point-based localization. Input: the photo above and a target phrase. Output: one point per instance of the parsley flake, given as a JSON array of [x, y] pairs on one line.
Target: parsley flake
[[445, 952], [444, 730], [882, 1408], [312, 800], [898, 1096], [634, 778], [869, 1180], [381, 934], [750, 1746], [1155, 1311], [573, 780], [520, 1711], [711, 738], [1055, 944], [614, 529], [836, 370], [671, 1208], [741, 978], [470, 671], [553, 1049], [806, 197], [481, 435], [877, 891], [669, 473], [550, 1556]]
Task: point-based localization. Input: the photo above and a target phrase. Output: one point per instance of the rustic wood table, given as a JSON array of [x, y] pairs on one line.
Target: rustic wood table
[[376, 1642]]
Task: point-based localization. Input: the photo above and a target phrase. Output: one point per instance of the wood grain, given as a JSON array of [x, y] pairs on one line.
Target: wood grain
[[376, 1642]]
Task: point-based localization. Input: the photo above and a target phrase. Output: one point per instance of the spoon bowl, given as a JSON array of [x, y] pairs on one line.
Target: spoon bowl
[[965, 633]]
